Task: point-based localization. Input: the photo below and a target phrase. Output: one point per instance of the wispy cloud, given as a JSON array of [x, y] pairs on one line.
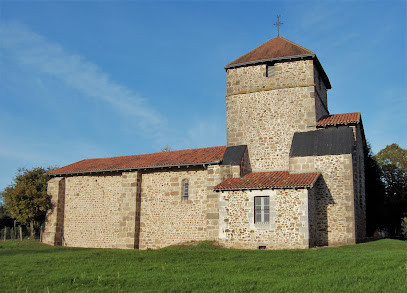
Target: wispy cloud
[[45, 57], [207, 133], [32, 49]]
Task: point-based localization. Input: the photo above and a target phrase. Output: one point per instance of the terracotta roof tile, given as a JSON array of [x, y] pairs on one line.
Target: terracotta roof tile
[[275, 48], [161, 159], [269, 180], [339, 119]]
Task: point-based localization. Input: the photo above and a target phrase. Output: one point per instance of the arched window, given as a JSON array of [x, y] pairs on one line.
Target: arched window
[[185, 189]]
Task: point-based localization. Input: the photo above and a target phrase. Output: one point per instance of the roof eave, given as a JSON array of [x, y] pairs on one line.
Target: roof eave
[[284, 58], [338, 124], [266, 187], [134, 169]]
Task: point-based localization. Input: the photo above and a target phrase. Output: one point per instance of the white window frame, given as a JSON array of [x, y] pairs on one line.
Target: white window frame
[[262, 209]]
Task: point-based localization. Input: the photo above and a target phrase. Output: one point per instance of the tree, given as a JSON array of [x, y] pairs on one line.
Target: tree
[[404, 227], [374, 193], [5, 219], [26, 199], [393, 155], [393, 164], [166, 148]]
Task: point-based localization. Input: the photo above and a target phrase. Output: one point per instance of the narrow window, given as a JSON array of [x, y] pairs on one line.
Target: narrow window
[[185, 189], [261, 209], [270, 70]]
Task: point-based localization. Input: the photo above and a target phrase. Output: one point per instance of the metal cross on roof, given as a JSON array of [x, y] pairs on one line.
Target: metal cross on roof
[[277, 24]]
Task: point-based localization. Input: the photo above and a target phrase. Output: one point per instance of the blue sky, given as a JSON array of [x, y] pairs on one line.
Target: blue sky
[[95, 79]]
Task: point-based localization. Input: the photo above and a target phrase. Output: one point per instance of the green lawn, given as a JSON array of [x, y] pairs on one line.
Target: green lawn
[[28, 266]]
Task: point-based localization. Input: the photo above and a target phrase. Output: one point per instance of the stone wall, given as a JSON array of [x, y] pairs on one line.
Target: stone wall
[[243, 80], [266, 121], [312, 217], [334, 196], [167, 219], [321, 98], [92, 211], [359, 185], [263, 112], [288, 226], [129, 210], [217, 174], [136, 210]]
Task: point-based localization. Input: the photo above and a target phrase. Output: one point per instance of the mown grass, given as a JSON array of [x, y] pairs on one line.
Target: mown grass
[[28, 266]]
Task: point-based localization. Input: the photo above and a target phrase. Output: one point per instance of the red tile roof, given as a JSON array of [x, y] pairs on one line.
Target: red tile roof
[[339, 119], [269, 180], [275, 48], [162, 159]]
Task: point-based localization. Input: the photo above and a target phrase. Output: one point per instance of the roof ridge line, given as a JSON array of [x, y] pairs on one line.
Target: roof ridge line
[[122, 156], [133, 168], [271, 49], [297, 45]]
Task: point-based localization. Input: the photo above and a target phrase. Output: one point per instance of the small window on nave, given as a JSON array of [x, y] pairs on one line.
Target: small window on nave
[[185, 189]]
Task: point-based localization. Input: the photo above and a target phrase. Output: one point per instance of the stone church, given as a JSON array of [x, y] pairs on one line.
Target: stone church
[[290, 176]]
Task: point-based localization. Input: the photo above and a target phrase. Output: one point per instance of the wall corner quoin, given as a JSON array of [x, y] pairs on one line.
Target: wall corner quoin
[[53, 226], [130, 205], [216, 174]]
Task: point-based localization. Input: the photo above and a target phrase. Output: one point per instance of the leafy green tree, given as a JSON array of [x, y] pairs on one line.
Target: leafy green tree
[[393, 164], [26, 199], [5, 219], [395, 180], [374, 193], [393, 155]]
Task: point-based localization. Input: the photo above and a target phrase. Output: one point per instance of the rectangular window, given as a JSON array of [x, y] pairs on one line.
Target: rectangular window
[[270, 70], [261, 209], [186, 190]]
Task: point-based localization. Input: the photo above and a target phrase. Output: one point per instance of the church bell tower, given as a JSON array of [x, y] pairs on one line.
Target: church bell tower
[[273, 91]]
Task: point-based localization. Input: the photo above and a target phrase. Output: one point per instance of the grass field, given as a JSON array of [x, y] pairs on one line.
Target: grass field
[[28, 266]]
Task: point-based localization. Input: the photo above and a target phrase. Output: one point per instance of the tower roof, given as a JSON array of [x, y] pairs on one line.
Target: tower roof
[[276, 48]]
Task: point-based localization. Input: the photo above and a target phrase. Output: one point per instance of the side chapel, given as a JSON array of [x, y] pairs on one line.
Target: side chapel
[[290, 176]]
